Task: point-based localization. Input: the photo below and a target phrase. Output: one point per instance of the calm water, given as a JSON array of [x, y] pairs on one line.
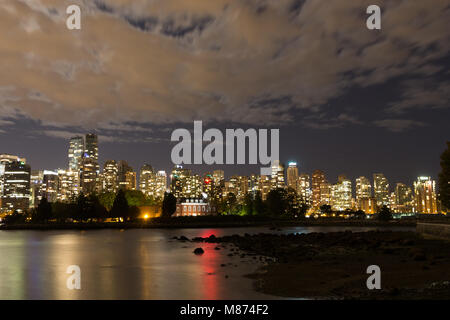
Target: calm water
[[129, 264]]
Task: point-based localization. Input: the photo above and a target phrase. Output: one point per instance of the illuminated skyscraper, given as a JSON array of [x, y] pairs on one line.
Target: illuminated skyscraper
[[264, 186], [238, 185], [146, 179], [183, 185], [110, 177], [16, 189], [68, 185], [368, 205], [193, 187], [341, 194], [403, 199], [4, 160], [91, 148], [277, 175], [363, 190], [218, 185], [318, 178], [304, 188], [325, 194], [50, 185], [178, 180], [127, 177], [160, 185], [76, 152], [425, 195], [218, 177], [37, 187], [208, 184], [89, 176], [292, 176], [381, 189], [153, 184]]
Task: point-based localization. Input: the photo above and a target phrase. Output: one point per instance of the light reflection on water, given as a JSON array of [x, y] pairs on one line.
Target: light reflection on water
[[130, 264]]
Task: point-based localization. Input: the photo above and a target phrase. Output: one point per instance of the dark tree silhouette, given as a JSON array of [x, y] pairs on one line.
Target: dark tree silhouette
[[276, 202], [43, 211], [360, 214], [258, 204], [82, 209], [229, 205], [95, 210], [120, 207], [291, 203], [384, 214], [107, 199], [169, 205], [303, 208], [444, 178], [248, 204], [326, 209], [15, 218]]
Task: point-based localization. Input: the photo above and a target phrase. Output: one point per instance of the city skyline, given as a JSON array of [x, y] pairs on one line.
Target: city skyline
[[84, 175]]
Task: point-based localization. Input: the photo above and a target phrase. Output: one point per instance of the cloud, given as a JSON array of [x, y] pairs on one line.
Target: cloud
[[422, 94], [398, 125], [250, 62], [323, 122]]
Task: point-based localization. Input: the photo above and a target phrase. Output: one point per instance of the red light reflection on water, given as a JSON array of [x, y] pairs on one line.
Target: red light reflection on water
[[210, 262]]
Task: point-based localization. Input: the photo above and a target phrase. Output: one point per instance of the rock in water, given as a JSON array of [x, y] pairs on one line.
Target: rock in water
[[199, 251]]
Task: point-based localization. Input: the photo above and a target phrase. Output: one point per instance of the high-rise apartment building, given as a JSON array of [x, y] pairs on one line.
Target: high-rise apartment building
[[341, 194], [238, 185], [403, 199], [325, 194], [16, 189], [50, 185], [91, 146], [178, 180], [76, 153], [146, 179], [89, 176], [318, 178], [153, 184], [265, 185], [381, 189], [292, 176], [185, 185], [160, 185], [127, 177], [218, 177], [425, 195], [363, 190], [69, 186], [277, 175], [37, 187], [4, 160], [110, 177], [208, 184], [193, 187], [304, 188]]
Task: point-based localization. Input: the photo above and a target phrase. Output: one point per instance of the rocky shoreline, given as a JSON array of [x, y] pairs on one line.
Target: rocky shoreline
[[333, 265]]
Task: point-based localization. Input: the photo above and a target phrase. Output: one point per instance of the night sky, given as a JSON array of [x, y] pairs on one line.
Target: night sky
[[346, 99]]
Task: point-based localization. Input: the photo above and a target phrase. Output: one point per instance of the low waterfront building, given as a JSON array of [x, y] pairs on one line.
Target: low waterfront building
[[194, 207]]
